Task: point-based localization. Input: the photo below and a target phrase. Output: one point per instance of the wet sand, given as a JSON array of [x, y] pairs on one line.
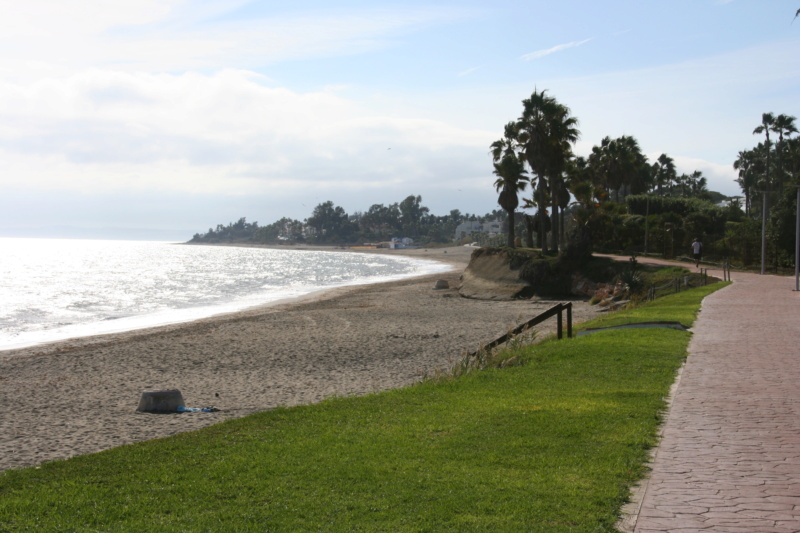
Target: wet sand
[[80, 396]]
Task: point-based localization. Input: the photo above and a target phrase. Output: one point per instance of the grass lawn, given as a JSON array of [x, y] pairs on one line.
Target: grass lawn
[[550, 445]]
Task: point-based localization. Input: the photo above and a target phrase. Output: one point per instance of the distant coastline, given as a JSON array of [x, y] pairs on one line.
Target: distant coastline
[[457, 256]]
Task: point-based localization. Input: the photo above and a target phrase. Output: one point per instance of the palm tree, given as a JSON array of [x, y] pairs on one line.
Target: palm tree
[[767, 123], [681, 185], [546, 133], [620, 165], [745, 164], [509, 144], [664, 173], [638, 174], [580, 183], [563, 198], [511, 180], [783, 125], [599, 164], [698, 185], [510, 172], [534, 138], [565, 134]]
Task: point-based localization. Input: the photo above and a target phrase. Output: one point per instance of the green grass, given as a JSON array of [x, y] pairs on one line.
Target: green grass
[[551, 445]]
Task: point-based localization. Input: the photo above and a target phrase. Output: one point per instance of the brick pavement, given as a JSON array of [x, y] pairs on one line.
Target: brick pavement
[[729, 459]]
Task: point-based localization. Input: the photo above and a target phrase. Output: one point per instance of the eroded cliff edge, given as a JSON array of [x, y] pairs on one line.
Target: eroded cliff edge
[[507, 274]]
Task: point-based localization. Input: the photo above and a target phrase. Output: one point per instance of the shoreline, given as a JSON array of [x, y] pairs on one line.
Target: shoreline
[[148, 322], [79, 396]]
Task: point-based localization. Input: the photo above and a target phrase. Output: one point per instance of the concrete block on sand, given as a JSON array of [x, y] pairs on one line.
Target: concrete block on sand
[[160, 401]]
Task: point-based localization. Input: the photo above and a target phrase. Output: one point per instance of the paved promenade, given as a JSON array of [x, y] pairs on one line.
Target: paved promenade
[[729, 460]]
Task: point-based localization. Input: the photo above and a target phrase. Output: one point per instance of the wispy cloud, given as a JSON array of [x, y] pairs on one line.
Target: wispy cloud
[[193, 133], [468, 71], [558, 48], [174, 36]]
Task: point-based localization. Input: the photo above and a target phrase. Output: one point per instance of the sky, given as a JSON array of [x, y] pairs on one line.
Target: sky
[[159, 119]]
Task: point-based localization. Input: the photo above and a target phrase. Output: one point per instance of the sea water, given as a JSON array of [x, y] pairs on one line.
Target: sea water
[[55, 289]]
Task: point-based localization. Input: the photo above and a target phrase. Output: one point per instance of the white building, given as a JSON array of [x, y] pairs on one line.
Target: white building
[[491, 227], [405, 242]]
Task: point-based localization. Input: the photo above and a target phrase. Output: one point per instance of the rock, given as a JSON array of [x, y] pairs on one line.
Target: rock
[[583, 287], [441, 284], [160, 401]]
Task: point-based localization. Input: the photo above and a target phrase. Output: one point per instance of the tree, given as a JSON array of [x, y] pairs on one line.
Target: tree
[[565, 134], [380, 221], [664, 173], [783, 126], [546, 131], [283, 230], [509, 144], [698, 185], [621, 166], [510, 172], [511, 179], [580, 182], [767, 125], [329, 221], [745, 163], [411, 213]]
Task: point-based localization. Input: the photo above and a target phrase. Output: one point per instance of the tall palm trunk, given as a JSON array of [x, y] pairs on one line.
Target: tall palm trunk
[[542, 217], [529, 227], [554, 228], [511, 236]]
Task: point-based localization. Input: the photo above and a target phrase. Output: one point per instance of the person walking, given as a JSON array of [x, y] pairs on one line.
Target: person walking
[[697, 251]]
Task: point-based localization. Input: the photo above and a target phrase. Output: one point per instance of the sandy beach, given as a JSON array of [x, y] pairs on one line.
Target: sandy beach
[[80, 396]]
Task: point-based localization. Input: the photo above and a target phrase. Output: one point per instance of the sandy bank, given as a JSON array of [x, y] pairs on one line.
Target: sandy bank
[[80, 396]]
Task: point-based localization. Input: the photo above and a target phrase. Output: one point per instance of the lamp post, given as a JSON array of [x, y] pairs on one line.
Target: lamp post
[[797, 242], [668, 231], [763, 230], [736, 202], [646, 217]]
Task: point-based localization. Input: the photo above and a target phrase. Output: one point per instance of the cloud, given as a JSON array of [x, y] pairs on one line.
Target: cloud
[[468, 72], [721, 178], [161, 99], [45, 19], [227, 134], [176, 36], [558, 48]]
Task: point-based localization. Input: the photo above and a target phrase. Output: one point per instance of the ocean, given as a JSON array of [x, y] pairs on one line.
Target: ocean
[[56, 289]]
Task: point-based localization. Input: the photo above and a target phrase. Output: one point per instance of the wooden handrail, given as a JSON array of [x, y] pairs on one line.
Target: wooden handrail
[[538, 319]]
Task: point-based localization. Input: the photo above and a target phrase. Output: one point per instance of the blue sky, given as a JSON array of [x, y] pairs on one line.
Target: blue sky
[[165, 117]]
